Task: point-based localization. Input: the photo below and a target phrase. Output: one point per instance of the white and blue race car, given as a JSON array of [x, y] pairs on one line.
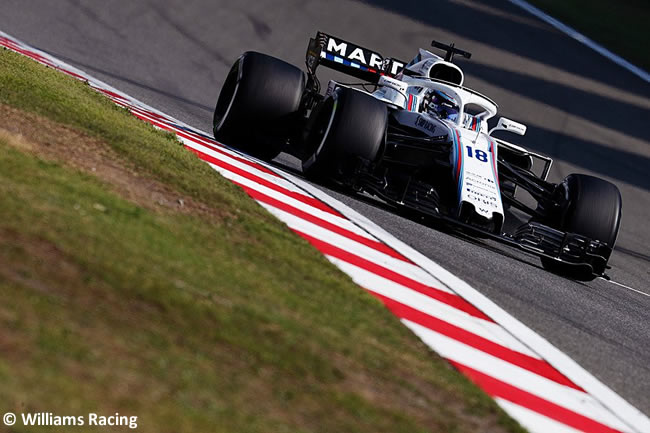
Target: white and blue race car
[[415, 137]]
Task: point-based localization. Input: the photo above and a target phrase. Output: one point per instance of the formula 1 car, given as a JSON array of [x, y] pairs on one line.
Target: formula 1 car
[[416, 138]]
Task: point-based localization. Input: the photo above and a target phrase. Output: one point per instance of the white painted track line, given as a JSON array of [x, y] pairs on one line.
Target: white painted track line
[[626, 287], [645, 76]]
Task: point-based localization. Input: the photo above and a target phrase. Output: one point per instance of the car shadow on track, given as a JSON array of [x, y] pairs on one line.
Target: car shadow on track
[[513, 30], [613, 113], [622, 165]]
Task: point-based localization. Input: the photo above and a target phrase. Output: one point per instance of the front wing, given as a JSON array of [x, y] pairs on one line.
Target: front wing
[[535, 238]]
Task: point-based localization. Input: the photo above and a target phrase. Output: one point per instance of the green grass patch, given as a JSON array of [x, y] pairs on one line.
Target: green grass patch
[[621, 26], [221, 322]]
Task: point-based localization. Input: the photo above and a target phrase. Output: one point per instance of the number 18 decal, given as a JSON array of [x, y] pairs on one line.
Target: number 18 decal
[[480, 155]]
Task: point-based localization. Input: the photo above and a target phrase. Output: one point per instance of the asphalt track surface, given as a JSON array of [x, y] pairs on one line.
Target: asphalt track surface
[[590, 115]]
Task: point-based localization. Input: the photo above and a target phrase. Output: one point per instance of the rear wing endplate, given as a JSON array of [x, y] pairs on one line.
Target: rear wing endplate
[[349, 58]]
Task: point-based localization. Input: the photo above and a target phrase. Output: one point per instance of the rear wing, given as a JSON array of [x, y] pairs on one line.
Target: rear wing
[[349, 58]]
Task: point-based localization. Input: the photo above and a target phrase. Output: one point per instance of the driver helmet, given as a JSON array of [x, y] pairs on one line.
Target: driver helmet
[[441, 104]]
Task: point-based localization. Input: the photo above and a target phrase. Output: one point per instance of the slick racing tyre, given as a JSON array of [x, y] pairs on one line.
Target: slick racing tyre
[[258, 104], [348, 124], [593, 209]]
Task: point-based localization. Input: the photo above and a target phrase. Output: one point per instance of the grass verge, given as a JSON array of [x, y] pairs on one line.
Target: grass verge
[[621, 26], [136, 280]]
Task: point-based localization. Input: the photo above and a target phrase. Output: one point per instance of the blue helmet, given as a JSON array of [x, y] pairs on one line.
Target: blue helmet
[[442, 104]]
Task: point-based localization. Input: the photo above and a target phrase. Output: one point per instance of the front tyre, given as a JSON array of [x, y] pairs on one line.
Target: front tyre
[[259, 104], [593, 210], [347, 125]]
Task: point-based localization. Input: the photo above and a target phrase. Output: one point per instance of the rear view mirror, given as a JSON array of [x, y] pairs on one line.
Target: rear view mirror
[[509, 125]]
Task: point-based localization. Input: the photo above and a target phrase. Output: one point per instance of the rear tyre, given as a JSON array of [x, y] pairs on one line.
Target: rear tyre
[[259, 104], [347, 125], [593, 210]]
